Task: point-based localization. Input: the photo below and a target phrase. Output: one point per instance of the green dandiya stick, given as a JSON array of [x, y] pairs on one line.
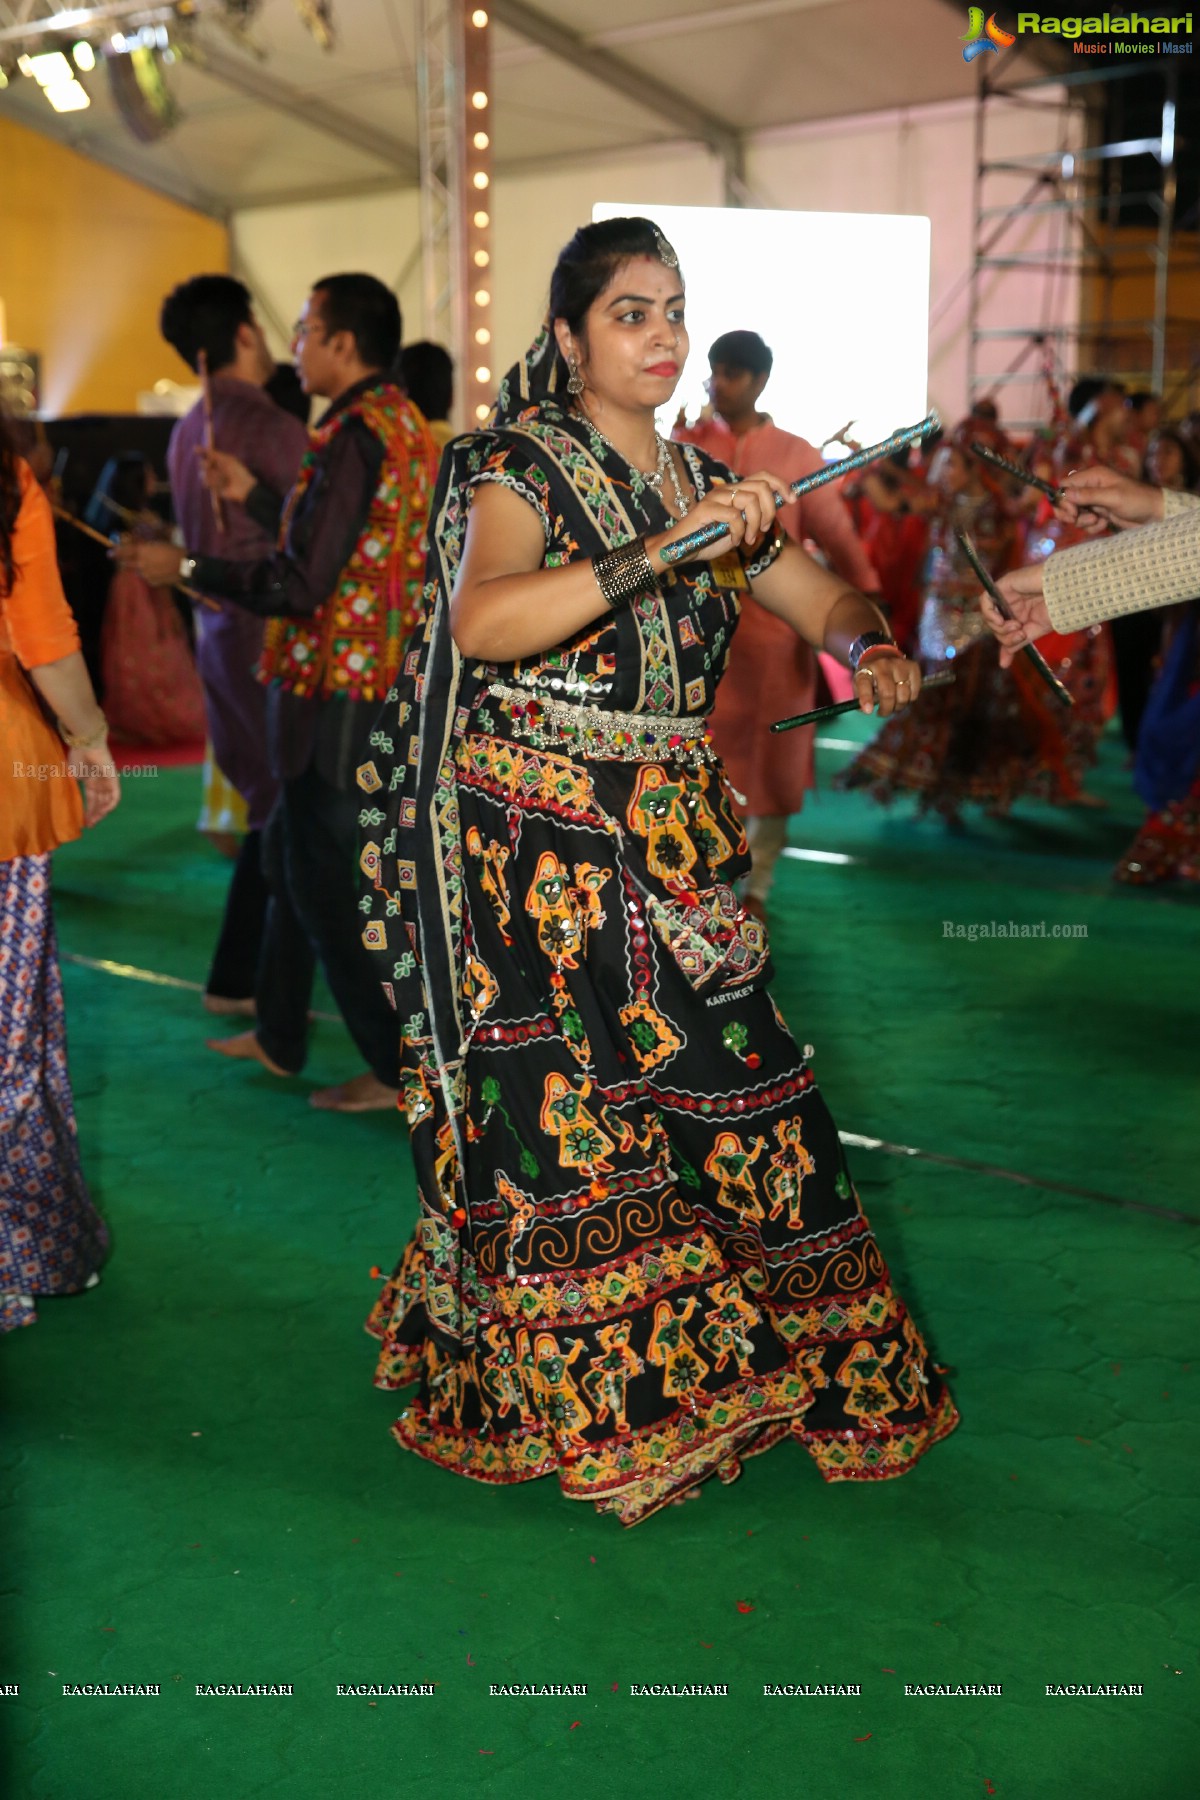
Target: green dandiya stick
[[943, 678], [1061, 694], [911, 434], [997, 461]]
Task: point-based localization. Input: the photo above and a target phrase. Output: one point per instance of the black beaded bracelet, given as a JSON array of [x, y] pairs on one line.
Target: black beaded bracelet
[[624, 572]]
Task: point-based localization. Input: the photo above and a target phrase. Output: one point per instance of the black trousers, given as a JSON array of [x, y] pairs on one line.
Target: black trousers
[[1136, 641], [239, 942], [310, 860]]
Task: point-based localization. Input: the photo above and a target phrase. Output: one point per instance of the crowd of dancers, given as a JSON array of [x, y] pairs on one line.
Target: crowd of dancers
[[996, 736], [481, 725]]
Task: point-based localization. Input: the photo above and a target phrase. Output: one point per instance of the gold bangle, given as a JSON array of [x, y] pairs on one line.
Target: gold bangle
[[79, 742]]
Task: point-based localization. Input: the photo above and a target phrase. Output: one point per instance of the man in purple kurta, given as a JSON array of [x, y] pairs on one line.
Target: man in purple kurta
[[213, 314]]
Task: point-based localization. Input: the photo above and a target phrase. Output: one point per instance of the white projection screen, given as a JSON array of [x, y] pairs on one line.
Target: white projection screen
[[841, 298]]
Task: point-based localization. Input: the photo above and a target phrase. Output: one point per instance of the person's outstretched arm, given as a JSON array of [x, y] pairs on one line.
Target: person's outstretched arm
[[1155, 565]]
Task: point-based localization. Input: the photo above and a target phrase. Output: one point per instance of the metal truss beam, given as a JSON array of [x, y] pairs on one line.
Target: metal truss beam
[[644, 90], [440, 107], [268, 91], [23, 27]]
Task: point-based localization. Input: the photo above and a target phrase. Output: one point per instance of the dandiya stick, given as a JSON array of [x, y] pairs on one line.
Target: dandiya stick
[[1061, 694], [943, 678], [997, 461], [60, 512], [911, 434], [209, 444], [122, 512]]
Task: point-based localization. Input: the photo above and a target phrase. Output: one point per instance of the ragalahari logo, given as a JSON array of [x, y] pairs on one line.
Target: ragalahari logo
[[983, 37]]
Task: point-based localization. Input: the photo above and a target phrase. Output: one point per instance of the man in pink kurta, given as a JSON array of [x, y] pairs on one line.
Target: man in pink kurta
[[771, 673]]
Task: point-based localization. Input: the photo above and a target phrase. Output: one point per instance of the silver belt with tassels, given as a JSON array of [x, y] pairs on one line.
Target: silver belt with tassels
[[596, 733]]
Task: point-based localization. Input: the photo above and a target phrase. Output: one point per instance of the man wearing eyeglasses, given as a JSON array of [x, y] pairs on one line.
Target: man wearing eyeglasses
[[341, 594]]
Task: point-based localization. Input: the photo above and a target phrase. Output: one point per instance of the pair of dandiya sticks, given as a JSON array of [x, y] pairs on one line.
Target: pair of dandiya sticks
[[699, 539], [98, 537]]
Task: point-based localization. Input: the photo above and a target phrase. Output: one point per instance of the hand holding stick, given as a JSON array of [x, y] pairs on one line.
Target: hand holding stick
[[1061, 694], [1052, 493], [943, 678], [206, 394], [60, 512], [686, 547]]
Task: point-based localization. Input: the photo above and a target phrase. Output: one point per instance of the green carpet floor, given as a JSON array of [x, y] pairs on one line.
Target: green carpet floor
[[200, 1484]]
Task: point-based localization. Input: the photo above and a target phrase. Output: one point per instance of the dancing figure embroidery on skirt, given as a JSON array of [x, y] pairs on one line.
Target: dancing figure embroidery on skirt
[[610, 1121]]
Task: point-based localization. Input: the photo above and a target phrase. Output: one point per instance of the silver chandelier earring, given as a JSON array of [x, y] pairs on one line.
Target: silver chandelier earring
[[574, 378]]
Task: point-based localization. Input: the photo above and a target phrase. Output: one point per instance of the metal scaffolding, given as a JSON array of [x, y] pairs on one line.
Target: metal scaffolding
[[440, 104], [454, 93], [1072, 186]]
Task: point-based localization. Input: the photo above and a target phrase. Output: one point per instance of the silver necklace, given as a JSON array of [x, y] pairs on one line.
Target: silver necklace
[[680, 497], [664, 463], [653, 478]]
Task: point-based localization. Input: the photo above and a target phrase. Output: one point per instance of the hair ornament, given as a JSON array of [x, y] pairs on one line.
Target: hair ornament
[[665, 253]]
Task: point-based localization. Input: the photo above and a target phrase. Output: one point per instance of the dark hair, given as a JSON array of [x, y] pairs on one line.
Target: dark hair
[[986, 409], [10, 502], [588, 263], [285, 390], [1089, 389], [1136, 402], [427, 375], [204, 314], [741, 350], [1191, 468], [123, 479], [369, 311]]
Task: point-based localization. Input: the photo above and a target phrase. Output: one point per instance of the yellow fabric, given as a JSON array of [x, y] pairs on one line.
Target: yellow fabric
[[221, 806]]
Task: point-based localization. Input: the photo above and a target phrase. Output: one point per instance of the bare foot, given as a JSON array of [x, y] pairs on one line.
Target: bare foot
[[693, 1493], [365, 1093], [226, 1008], [245, 1047]]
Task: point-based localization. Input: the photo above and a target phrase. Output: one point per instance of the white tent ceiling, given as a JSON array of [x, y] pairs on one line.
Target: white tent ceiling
[[297, 122]]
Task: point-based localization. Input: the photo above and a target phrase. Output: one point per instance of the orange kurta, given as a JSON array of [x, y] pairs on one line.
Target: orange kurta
[[40, 803]]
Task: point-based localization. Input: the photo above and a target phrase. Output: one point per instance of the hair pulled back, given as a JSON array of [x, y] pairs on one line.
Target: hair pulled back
[[588, 263]]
